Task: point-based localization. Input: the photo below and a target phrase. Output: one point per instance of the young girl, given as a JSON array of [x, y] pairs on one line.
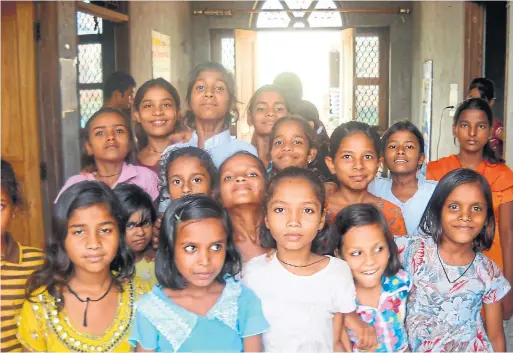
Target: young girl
[[241, 190], [157, 111], [212, 109], [184, 171], [354, 158], [472, 122], [265, 107], [83, 297], [303, 294], [452, 279], [18, 262], [138, 207], [107, 148], [292, 144], [198, 306], [403, 151], [484, 88], [382, 287]]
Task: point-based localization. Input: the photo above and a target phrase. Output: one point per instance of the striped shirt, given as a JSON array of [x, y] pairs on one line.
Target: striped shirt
[[14, 276]]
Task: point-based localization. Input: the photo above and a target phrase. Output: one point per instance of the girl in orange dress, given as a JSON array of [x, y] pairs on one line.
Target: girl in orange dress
[[472, 128], [354, 157]]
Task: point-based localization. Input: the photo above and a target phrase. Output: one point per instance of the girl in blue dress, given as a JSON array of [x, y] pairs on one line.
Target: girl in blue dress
[[198, 306]]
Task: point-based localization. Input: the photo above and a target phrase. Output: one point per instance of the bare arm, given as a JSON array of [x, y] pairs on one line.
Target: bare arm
[[506, 238], [494, 328], [253, 343], [366, 334], [338, 327]]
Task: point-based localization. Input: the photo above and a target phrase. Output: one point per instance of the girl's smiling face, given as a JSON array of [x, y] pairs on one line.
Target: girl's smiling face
[[366, 252], [157, 112], [402, 153], [464, 214], [109, 138], [356, 161], [241, 182], [268, 108], [210, 99], [291, 147]]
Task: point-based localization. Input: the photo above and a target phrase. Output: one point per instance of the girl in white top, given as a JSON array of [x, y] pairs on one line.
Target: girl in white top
[[304, 295]]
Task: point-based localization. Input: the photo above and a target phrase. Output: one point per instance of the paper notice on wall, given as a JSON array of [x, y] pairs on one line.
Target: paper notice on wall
[[161, 55]]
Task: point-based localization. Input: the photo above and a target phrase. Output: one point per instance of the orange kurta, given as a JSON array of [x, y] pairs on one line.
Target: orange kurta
[[392, 213], [500, 178]]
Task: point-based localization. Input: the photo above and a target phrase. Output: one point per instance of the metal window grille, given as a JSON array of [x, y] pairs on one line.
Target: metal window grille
[[90, 65], [367, 104], [367, 57]]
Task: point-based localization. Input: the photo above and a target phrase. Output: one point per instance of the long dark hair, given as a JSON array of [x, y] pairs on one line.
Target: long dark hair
[[88, 162], [132, 199], [58, 268], [320, 244], [232, 113], [359, 215], [479, 104], [142, 138], [192, 207], [431, 221]]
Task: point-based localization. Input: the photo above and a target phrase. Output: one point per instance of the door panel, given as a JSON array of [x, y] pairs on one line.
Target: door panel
[[20, 133], [245, 76]]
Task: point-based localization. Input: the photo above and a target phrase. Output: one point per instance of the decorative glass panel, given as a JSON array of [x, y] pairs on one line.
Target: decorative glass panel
[[299, 25], [90, 63], [298, 4], [273, 19], [323, 18], [367, 57], [91, 100], [228, 54], [367, 104], [283, 19], [88, 24]]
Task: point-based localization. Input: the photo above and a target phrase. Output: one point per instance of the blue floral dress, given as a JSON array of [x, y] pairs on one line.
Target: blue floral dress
[[443, 316], [388, 317]]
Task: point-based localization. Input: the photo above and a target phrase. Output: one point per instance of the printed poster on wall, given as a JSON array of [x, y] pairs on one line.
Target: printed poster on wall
[[427, 104], [161, 55]]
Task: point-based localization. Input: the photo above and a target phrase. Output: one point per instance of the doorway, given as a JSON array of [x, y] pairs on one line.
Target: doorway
[[310, 55]]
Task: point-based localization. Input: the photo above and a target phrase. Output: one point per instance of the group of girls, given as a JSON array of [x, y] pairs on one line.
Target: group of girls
[[252, 248]]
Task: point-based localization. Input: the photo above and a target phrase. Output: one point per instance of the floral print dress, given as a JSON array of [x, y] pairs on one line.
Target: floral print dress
[[443, 316]]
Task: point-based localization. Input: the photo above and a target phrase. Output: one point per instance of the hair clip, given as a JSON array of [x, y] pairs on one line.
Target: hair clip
[[177, 218]]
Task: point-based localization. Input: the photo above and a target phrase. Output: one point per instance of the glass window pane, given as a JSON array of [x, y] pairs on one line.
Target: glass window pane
[[367, 104], [325, 19], [90, 63], [228, 54], [367, 57], [91, 100], [88, 24]]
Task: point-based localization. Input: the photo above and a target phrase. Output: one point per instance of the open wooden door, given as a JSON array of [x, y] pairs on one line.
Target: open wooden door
[[20, 133], [245, 76], [347, 67]]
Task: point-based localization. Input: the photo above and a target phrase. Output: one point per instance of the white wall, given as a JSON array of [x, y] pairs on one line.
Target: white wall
[[438, 35], [172, 18]]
